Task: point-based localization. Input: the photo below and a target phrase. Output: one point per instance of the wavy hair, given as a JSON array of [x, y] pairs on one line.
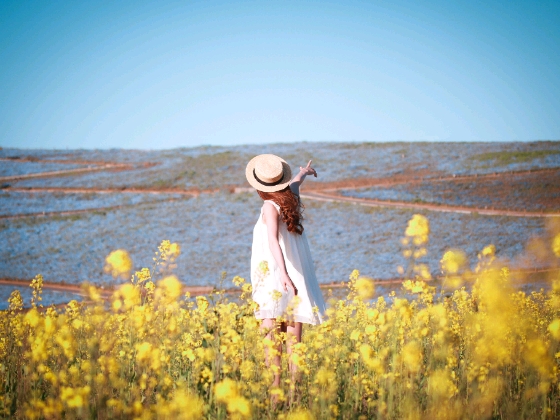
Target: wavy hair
[[291, 208]]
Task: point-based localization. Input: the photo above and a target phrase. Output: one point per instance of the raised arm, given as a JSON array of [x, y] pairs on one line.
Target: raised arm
[[271, 221], [298, 179]]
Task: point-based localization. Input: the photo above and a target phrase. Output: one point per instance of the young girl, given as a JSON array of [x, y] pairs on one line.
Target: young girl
[[282, 272]]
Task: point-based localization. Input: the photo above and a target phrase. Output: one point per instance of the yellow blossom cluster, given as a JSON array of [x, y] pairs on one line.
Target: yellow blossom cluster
[[118, 263], [556, 245], [152, 352], [418, 229], [414, 242]]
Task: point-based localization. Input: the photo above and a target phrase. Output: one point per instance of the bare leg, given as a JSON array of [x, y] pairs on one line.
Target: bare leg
[[270, 327], [293, 337], [293, 331]]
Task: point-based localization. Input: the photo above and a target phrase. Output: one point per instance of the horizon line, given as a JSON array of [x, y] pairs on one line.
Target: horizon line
[[203, 145]]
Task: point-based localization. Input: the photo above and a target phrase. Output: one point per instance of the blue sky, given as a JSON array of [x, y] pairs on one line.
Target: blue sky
[[165, 74]]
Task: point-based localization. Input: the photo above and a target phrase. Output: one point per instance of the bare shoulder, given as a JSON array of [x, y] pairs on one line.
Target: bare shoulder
[[269, 211]]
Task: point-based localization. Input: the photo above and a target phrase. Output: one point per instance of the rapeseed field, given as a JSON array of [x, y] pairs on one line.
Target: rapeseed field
[[473, 347]]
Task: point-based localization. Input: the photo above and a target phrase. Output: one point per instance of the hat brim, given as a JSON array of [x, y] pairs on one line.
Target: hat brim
[[283, 183]]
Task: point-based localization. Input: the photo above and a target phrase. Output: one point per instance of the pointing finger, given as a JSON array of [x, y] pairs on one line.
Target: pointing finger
[[309, 163]]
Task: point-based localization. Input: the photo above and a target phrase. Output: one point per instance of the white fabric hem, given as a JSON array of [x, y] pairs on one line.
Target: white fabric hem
[[316, 320]]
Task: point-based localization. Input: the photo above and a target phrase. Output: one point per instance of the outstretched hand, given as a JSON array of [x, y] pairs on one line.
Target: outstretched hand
[[308, 170]]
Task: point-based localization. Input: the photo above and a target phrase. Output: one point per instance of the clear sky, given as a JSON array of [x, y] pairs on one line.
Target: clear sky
[[163, 74]]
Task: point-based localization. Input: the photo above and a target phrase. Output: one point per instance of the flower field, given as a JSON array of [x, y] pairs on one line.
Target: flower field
[[537, 191], [102, 200], [472, 348]]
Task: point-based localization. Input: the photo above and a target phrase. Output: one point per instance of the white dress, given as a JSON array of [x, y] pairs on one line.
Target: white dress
[[309, 306]]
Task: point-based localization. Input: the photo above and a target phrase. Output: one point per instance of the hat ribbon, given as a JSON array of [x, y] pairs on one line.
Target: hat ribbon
[[268, 184]]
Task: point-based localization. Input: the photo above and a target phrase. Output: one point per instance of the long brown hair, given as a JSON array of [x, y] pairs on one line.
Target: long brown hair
[[291, 208]]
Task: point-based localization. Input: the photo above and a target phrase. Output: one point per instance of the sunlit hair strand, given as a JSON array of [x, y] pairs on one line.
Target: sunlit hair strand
[[291, 208]]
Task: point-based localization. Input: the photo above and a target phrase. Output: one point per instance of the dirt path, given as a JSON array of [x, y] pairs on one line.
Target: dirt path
[[193, 290], [57, 213], [411, 178], [108, 166], [323, 195], [330, 197], [106, 292], [57, 190], [60, 161], [320, 191]]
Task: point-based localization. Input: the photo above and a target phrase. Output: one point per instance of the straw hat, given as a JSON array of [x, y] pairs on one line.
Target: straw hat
[[268, 173]]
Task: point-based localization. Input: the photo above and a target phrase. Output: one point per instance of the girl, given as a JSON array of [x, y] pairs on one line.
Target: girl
[[282, 272]]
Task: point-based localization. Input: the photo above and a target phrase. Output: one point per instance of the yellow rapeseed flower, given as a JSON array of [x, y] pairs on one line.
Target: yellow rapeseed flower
[[300, 414], [324, 376], [143, 351], [239, 405], [174, 250], [171, 288], [238, 281], [554, 329], [412, 356], [247, 369], [440, 385], [168, 251], [414, 286], [453, 261], [225, 390], [480, 351], [418, 228], [365, 287], [183, 406], [129, 294], [143, 275], [202, 303], [556, 245], [489, 251], [118, 263], [536, 353], [75, 397], [263, 268], [424, 271], [15, 300], [32, 317]]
